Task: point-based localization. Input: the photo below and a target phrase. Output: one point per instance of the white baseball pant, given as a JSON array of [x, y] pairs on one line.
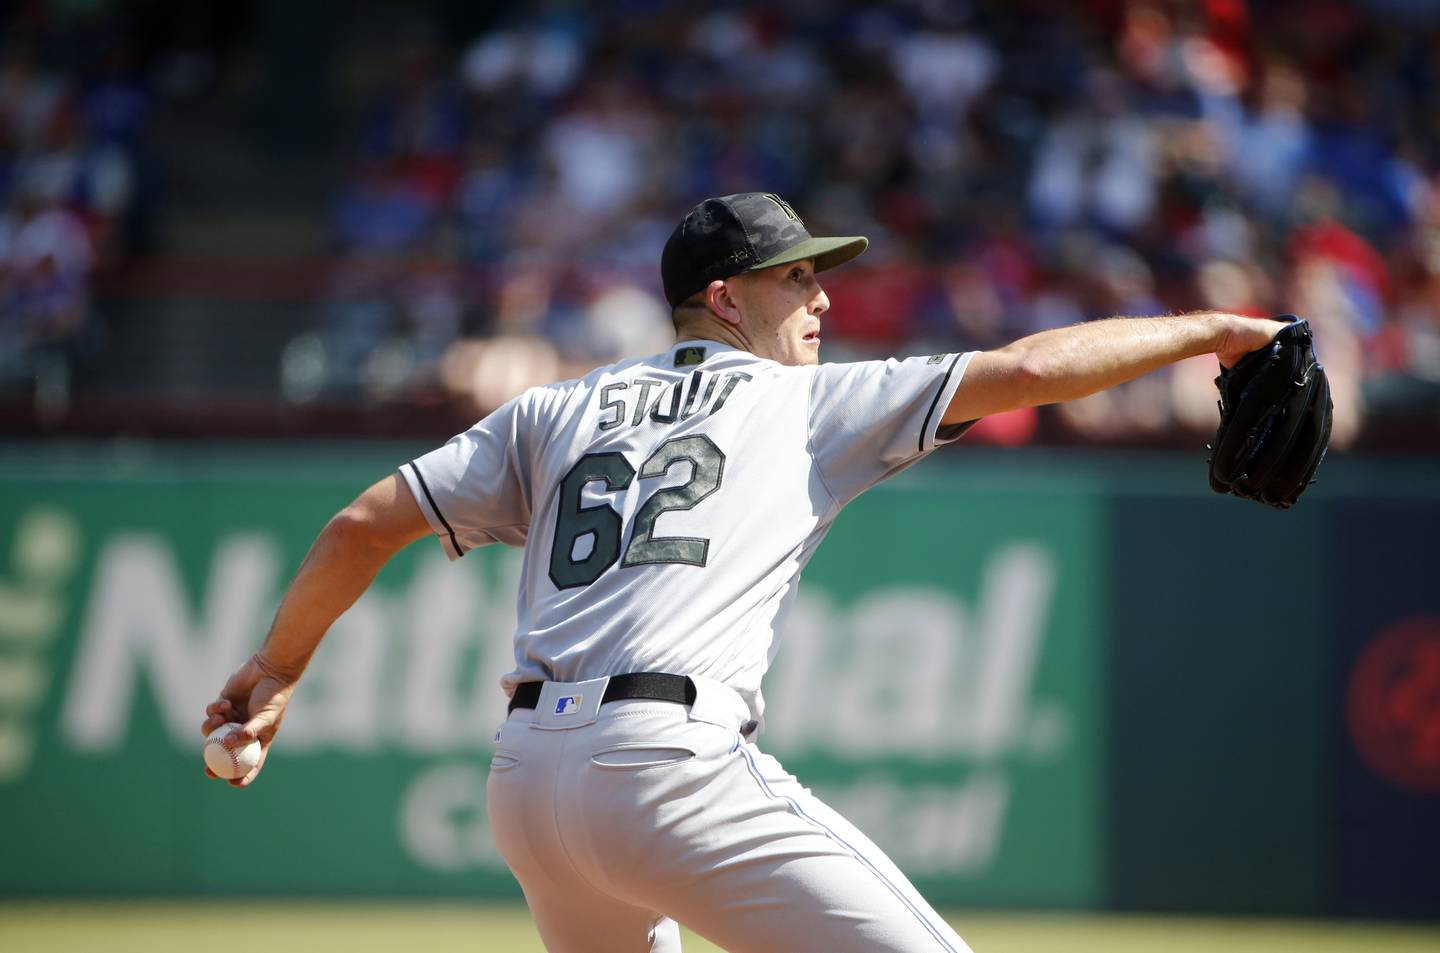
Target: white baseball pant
[[620, 820]]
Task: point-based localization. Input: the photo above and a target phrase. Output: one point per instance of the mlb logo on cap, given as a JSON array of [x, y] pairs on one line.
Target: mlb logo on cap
[[567, 704]]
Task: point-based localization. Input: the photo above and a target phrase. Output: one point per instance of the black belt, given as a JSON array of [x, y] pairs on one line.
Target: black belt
[[658, 686]]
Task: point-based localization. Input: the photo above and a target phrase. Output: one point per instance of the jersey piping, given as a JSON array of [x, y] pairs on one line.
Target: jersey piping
[[425, 488], [944, 383]]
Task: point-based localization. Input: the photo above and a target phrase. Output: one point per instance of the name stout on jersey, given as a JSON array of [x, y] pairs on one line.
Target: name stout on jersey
[[630, 402]]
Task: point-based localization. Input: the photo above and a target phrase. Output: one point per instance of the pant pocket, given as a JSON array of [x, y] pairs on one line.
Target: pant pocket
[[503, 760], [648, 755]]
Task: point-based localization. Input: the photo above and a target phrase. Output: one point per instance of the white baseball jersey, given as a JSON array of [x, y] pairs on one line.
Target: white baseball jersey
[[668, 505]]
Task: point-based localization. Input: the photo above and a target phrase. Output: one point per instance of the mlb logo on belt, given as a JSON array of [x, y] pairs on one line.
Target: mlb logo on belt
[[567, 704]]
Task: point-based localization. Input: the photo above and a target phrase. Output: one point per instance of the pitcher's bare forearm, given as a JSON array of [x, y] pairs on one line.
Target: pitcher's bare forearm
[[344, 559], [1069, 363]]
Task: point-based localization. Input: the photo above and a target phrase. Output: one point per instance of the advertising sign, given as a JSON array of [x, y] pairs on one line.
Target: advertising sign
[[937, 682]]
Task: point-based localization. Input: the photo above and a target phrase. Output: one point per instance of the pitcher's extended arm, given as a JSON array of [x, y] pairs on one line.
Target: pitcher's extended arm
[[1068, 363]]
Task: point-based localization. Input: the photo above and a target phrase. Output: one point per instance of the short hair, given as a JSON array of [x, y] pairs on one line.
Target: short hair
[[696, 302]]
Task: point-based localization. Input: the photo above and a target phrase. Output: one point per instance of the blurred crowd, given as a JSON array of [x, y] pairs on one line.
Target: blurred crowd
[[1016, 165], [71, 121], [504, 190]]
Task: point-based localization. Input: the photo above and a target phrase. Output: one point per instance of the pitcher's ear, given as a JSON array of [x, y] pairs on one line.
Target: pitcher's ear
[[721, 299]]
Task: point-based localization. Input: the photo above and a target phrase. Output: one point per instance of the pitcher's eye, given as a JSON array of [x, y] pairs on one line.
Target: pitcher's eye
[[797, 274]]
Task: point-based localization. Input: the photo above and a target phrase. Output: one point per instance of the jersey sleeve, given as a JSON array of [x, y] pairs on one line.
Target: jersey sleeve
[[474, 489], [872, 419]]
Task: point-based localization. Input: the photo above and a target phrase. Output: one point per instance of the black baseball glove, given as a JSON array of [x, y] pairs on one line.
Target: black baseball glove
[[1274, 420]]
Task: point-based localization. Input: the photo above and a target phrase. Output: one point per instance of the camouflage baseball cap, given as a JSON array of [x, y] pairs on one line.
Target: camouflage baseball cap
[[723, 237]]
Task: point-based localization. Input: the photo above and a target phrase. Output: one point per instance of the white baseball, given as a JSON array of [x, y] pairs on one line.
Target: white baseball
[[226, 761]]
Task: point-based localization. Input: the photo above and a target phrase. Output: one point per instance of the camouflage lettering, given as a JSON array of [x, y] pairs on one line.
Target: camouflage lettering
[[608, 403]]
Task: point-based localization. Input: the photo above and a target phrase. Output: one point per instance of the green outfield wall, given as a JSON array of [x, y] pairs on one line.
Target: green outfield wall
[[1036, 681]]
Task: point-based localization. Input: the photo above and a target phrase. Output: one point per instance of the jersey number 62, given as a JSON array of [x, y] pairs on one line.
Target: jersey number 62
[[573, 521]]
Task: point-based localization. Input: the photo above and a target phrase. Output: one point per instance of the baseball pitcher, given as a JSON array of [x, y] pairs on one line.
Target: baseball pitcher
[[667, 507]]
